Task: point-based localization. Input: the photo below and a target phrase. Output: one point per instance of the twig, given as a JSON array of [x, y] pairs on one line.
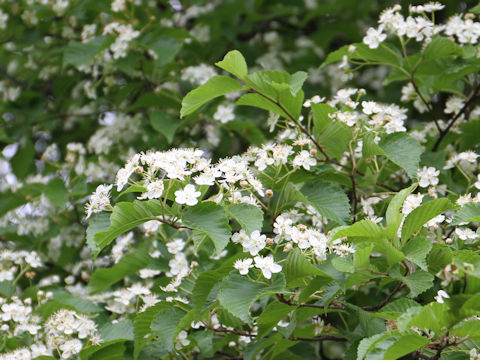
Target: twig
[[444, 132], [386, 301], [427, 104]]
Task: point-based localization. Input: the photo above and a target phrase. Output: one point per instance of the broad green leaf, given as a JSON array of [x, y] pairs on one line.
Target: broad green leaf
[[422, 214], [260, 102], [405, 344], [237, 293], [11, 201], [297, 267], [403, 150], [321, 119], [467, 213], [418, 282], [164, 124], [369, 146], [126, 216], [367, 343], [165, 49], [119, 330], [142, 324], [384, 54], [334, 138], [396, 203], [396, 308], [77, 53], [250, 217], [297, 81], [211, 220], [56, 192], [416, 250], [470, 328], [270, 317], [362, 228], [328, 199], [165, 325], [214, 87], [441, 46], [234, 63], [98, 223], [128, 265], [22, 162]]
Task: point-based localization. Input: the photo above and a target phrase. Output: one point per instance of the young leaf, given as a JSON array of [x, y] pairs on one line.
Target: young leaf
[[297, 267], [248, 216], [403, 150], [416, 250], [237, 293], [234, 63], [418, 282], [328, 199], [209, 219], [422, 214], [214, 87]]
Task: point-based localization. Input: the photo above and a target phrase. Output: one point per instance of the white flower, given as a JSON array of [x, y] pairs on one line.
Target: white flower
[[374, 37], [474, 355], [466, 233], [304, 159], [411, 202], [441, 295], [154, 190], [71, 347], [224, 113], [175, 246], [187, 196], [267, 265], [99, 200], [148, 273], [427, 176], [243, 265], [181, 340], [255, 243]]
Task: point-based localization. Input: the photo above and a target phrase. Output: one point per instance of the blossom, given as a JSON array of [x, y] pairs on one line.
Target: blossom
[[243, 265], [374, 37], [267, 265], [71, 347], [304, 159], [99, 200], [154, 190], [224, 113], [181, 340], [441, 294], [187, 196], [427, 176], [255, 243]]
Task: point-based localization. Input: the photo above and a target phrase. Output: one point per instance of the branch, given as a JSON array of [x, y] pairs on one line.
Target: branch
[[319, 338], [386, 301], [444, 132], [427, 104]]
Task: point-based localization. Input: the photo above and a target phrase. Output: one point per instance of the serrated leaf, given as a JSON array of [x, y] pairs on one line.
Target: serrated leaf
[[98, 223], [418, 282], [214, 87], [165, 325], [297, 81], [297, 267], [210, 219], [328, 199], [270, 317], [237, 293], [250, 217], [396, 203], [422, 214], [129, 264], [467, 213], [470, 328], [416, 250], [142, 324], [234, 63], [403, 150], [56, 192], [441, 46], [126, 216]]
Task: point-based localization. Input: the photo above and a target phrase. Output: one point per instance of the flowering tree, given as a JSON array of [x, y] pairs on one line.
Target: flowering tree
[[227, 215]]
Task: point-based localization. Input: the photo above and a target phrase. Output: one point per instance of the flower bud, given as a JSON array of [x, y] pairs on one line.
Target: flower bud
[[269, 241], [269, 192]]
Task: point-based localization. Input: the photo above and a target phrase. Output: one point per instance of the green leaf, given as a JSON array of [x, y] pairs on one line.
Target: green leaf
[[77, 53], [396, 203], [416, 250], [142, 324], [248, 130], [362, 228], [404, 345], [297, 81], [164, 124], [250, 217], [334, 138], [403, 150], [234, 63], [214, 87], [467, 213], [270, 317], [441, 46], [297, 267], [165, 48], [165, 325], [128, 265], [22, 162], [422, 214], [56, 192], [475, 9], [211, 220], [237, 293], [126, 216], [328, 199], [120, 330], [98, 222], [381, 54], [470, 328], [418, 282]]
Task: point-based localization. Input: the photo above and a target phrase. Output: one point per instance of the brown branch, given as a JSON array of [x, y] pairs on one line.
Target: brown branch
[[463, 110], [284, 300], [427, 104], [319, 338], [386, 301]]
